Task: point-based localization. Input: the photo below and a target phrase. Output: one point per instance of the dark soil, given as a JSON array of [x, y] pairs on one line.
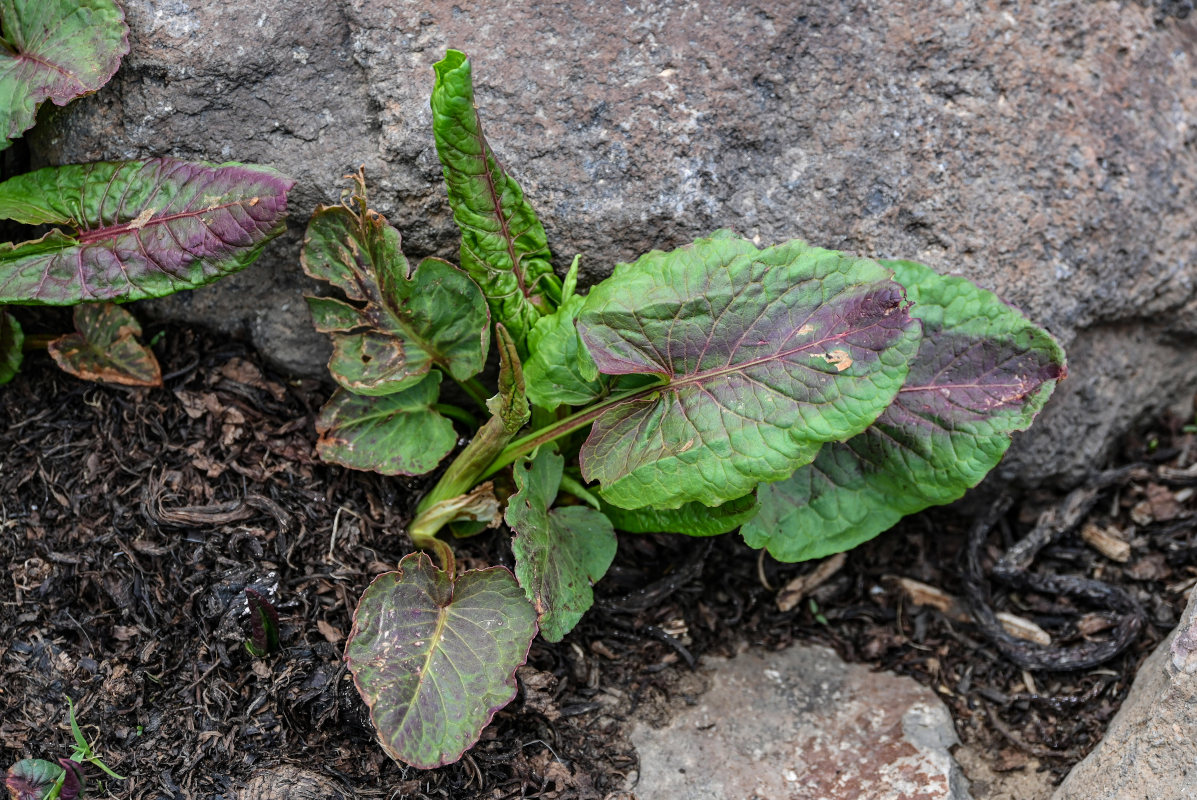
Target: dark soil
[[131, 521]]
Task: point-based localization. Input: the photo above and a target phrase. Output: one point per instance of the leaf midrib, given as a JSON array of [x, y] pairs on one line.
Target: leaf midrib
[[496, 202], [442, 616], [89, 235]]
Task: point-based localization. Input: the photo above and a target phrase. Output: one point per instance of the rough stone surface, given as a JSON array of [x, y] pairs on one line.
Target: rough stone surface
[[801, 723], [1150, 749], [288, 782], [1045, 150]]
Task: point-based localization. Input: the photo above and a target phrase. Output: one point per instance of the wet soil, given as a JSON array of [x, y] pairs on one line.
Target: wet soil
[[132, 521]]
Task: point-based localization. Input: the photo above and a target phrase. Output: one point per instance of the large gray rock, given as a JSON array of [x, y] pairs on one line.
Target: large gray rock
[[801, 723], [1042, 149], [1150, 749]]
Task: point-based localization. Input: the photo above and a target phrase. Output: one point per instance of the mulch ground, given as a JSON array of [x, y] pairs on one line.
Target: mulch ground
[[131, 522]]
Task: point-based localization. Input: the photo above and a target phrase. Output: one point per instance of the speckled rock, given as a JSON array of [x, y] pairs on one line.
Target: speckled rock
[[1149, 751], [288, 782], [801, 724], [1044, 150]]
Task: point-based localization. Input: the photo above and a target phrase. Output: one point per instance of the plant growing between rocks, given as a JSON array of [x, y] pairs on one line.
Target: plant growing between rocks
[[806, 396], [123, 230]]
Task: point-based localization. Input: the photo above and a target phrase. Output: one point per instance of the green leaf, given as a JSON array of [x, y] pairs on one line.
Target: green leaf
[[503, 244], [105, 348], [31, 779], [56, 50], [435, 659], [692, 519], [559, 370], [396, 434], [982, 372], [12, 340], [138, 228], [559, 553], [399, 323], [759, 358]]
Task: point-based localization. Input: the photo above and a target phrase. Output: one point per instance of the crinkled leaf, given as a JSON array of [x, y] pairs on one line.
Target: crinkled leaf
[[692, 519], [982, 372], [398, 323], [475, 511], [503, 244], [559, 553], [559, 370], [105, 348], [12, 340], [761, 356], [31, 779], [435, 658], [509, 406], [137, 228], [396, 434], [56, 50]]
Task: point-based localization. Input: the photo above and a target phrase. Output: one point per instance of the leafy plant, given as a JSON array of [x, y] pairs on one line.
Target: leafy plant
[[810, 397], [38, 779], [122, 230]]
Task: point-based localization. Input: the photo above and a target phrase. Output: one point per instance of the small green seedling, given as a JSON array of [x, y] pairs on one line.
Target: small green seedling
[[38, 779], [263, 625]]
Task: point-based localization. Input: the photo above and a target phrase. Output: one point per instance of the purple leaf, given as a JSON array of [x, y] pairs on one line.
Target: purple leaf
[[72, 779], [434, 658], [263, 625], [982, 372], [31, 779], [759, 357], [136, 229], [56, 50]]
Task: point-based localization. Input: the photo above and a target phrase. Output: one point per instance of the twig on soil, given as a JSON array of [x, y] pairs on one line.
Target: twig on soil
[[657, 591], [1013, 568], [1036, 750]]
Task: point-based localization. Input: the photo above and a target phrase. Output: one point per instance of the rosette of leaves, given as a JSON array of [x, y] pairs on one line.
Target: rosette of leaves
[[695, 391]]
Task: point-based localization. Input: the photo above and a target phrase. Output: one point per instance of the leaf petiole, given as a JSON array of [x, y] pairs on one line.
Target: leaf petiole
[[37, 341], [579, 419]]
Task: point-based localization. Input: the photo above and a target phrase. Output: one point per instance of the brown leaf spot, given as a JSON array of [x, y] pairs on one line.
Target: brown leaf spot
[[142, 219], [839, 359]]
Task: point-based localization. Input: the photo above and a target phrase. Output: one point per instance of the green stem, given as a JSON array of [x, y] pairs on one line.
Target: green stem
[[38, 341], [428, 541], [466, 469], [526, 444], [459, 414]]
